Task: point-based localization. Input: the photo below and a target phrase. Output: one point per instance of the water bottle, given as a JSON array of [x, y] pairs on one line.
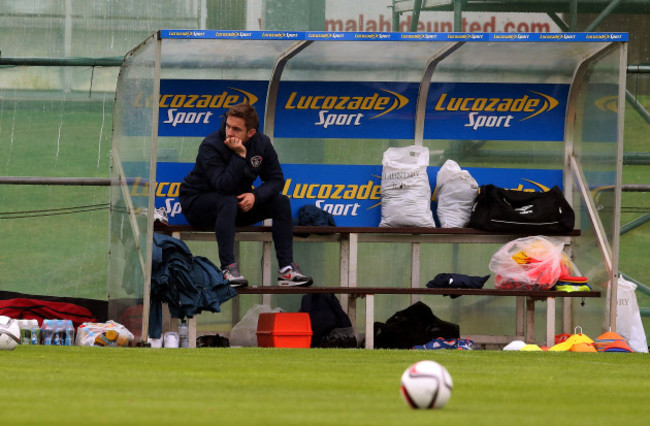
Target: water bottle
[[183, 335], [25, 331], [69, 333], [47, 332], [59, 333], [90, 339], [35, 334]]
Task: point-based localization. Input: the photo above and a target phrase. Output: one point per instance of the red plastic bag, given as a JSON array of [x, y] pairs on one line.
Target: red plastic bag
[[530, 263]]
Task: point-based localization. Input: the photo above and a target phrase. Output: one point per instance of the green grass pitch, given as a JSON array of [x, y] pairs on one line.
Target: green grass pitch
[[266, 386]]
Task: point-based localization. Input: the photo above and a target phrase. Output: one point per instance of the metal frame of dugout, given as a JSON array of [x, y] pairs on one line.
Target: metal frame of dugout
[[590, 66]]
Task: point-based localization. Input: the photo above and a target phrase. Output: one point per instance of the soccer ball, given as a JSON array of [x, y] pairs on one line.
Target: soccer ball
[[426, 384], [9, 333]]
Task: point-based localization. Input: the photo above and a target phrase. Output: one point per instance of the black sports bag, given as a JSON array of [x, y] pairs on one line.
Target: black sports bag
[[504, 210]]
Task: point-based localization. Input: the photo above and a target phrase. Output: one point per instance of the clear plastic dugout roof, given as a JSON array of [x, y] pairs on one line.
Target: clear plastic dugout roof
[[525, 111]]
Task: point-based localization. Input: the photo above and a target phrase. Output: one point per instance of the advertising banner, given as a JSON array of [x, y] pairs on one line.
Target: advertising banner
[[321, 109], [196, 107], [372, 110], [373, 36], [483, 111], [351, 193]]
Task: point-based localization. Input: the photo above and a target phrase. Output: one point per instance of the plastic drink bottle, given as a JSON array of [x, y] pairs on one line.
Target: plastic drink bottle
[[183, 335], [47, 332], [59, 330], [69, 333], [35, 334], [25, 331]]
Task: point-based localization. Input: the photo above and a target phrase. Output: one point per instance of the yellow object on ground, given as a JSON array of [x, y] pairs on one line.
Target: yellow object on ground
[[573, 340], [531, 348]]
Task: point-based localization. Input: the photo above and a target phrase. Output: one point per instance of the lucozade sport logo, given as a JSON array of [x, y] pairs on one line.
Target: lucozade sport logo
[[607, 103], [507, 111], [195, 107], [379, 103], [528, 105], [600, 120], [320, 109], [339, 199], [176, 105]]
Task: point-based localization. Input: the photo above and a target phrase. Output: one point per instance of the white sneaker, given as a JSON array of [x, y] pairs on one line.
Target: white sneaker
[[155, 343], [170, 339], [294, 278], [160, 215], [234, 278]]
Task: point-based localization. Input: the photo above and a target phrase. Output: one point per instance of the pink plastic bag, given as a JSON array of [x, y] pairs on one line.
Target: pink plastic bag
[[529, 263]]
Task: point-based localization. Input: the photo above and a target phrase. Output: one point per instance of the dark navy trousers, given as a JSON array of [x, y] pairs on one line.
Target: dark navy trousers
[[220, 211]]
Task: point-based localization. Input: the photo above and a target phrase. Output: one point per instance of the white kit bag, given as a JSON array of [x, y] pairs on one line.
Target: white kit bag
[[405, 189], [244, 333], [628, 316], [456, 191]]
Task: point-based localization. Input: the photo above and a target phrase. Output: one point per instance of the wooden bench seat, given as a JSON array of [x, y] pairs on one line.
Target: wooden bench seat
[[349, 239], [328, 230]]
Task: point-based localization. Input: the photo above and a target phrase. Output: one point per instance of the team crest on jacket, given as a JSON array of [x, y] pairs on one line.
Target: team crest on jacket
[[256, 161]]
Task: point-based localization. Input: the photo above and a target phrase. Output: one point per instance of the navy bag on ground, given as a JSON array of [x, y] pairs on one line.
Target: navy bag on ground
[[415, 325], [326, 315]]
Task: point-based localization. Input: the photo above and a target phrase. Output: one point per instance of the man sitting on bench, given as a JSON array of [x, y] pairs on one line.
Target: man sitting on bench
[[218, 193]]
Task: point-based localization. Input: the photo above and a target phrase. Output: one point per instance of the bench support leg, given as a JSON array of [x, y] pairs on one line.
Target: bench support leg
[[370, 321], [167, 323], [352, 310], [550, 321], [349, 255], [520, 310], [567, 314], [415, 270], [266, 270], [530, 320], [344, 273], [235, 308], [191, 326]]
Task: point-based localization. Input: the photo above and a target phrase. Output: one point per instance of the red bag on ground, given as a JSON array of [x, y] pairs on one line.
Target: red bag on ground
[[45, 309]]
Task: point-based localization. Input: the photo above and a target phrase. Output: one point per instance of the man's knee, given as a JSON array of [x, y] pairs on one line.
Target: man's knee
[[281, 203], [226, 204]]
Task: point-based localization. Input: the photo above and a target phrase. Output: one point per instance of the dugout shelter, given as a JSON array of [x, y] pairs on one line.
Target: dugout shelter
[[525, 111]]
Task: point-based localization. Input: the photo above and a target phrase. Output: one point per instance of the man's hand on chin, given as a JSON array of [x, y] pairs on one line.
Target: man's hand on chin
[[236, 145]]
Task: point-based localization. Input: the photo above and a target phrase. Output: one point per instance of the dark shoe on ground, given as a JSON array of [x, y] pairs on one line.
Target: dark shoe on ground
[[293, 277], [234, 277]]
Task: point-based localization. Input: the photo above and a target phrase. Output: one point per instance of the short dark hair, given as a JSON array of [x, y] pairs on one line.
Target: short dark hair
[[247, 112]]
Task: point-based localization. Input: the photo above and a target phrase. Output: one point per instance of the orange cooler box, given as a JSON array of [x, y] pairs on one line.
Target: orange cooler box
[[284, 330]]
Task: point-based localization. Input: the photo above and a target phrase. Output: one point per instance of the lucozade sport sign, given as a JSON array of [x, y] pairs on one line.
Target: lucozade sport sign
[[196, 107], [371, 110], [351, 193], [375, 110], [496, 111]]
